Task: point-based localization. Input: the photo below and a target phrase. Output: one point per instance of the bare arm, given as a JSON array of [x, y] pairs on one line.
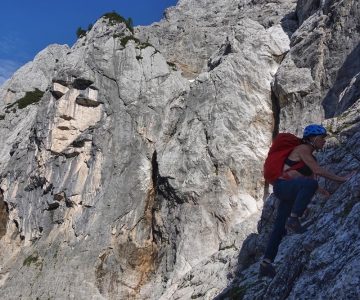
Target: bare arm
[[305, 154]]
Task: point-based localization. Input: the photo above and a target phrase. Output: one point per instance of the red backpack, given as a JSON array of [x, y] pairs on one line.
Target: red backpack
[[282, 146]]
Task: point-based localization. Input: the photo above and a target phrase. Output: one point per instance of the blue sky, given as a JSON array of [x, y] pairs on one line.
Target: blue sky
[[28, 26]]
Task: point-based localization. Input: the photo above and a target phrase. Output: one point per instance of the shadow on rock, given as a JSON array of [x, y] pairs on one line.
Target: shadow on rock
[[289, 23], [252, 249], [346, 88]]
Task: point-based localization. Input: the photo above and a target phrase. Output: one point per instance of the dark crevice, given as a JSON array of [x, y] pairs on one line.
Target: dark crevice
[[67, 118], [155, 169], [161, 184], [345, 90], [16, 224], [14, 148], [275, 105], [306, 9], [61, 197], [48, 189], [4, 214], [211, 155], [225, 50], [35, 182], [34, 139], [56, 94], [81, 83], [84, 101], [71, 154], [78, 143], [164, 234], [53, 206]]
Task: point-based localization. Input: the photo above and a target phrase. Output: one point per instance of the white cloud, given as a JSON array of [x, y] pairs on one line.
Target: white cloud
[[7, 68]]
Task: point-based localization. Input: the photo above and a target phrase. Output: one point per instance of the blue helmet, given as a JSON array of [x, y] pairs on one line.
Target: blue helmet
[[312, 130]]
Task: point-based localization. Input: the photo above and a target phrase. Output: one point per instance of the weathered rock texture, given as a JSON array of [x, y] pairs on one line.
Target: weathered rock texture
[[193, 30], [320, 75], [324, 261], [123, 179]]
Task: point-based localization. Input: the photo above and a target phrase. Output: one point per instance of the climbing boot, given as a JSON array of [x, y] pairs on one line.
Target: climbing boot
[[293, 225], [266, 270]]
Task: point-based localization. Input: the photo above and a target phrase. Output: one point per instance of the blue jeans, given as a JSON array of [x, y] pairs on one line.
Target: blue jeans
[[294, 195]]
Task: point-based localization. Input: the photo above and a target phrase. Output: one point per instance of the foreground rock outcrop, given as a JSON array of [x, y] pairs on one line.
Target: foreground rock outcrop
[[324, 261], [131, 163]]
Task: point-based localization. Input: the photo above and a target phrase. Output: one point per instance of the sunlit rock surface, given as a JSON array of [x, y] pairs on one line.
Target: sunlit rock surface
[[136, 170]]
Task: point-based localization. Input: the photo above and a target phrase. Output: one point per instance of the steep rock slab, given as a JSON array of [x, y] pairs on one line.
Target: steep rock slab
[[194, 29], [79, 185], [123, 202], [209, 162], [33, 76], [36, 74], [322, 62], [322, 262]]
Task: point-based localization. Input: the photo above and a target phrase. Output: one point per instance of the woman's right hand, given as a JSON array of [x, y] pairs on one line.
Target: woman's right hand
[[348, 176]]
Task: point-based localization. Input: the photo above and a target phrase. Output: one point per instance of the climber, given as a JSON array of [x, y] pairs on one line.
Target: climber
[[295, 188]]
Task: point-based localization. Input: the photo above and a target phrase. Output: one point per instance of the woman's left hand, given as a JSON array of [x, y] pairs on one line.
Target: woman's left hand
[[324, 192]]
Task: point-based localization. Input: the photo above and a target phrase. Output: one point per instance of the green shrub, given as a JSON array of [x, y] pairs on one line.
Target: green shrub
[[172, 65], [114, 18], [29, 98], [130, 25], [80, 32], [145, 45], [32, 259], [116, 35], [125, 40]]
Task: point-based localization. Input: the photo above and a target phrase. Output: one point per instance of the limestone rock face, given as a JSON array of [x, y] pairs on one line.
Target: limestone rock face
[[193, 30], [78, 172], [322, 65], [35, 74], [322, 262], [135, 172]]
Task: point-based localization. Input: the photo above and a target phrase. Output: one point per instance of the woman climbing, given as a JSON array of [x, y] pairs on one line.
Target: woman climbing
[[295, 188]]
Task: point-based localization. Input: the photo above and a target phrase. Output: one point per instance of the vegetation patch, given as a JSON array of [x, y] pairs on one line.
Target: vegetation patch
[[145, 45], [82, 32], [114, 18], [139, 45], [33, 259], [125, 40], [29, 98], [172, 65]]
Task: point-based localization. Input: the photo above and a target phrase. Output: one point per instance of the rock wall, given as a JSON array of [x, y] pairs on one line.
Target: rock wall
[[322, 262], [192, 31], [322, 67], [131, 164]]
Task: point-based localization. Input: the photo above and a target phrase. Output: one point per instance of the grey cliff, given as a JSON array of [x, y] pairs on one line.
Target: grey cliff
[[131, 162]]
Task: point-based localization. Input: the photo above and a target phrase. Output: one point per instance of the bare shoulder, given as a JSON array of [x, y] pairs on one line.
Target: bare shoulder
[[300, 151], [303, 148]]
